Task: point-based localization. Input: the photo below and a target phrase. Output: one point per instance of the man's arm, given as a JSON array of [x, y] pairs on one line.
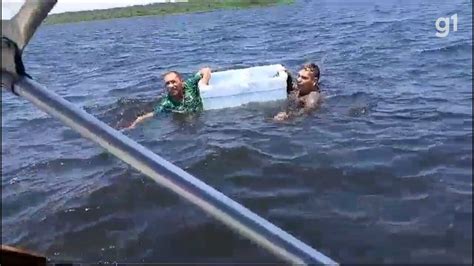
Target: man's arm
[[206, 76], [200, 78], [310, 103], [290, 87], [281, 116], [140, 119]]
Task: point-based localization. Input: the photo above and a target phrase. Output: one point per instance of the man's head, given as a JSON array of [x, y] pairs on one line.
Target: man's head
[[174, 84], [308, 77]]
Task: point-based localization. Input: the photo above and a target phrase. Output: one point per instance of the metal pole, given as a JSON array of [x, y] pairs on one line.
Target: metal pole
[[231, 213]]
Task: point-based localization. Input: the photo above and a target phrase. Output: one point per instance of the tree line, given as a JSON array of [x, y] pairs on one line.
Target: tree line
[[159, 9]]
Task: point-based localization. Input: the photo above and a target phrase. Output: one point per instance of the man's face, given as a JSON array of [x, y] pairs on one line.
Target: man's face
[[305, 80], [173, 84]]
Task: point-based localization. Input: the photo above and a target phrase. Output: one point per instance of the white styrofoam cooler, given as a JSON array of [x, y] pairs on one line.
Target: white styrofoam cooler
[[236, 87]]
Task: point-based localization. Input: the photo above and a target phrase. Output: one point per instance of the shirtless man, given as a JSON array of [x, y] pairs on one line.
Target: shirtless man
[[304, 95]]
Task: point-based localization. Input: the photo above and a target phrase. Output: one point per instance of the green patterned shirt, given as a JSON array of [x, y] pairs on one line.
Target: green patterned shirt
[[191, 102]]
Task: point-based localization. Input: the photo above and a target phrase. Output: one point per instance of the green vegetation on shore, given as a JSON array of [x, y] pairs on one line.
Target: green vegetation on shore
[[159, 9]]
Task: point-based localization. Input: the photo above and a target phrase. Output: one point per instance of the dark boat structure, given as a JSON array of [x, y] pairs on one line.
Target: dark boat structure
[[16, 256]]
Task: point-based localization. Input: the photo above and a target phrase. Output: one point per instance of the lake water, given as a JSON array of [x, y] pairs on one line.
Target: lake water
[[382, 173]]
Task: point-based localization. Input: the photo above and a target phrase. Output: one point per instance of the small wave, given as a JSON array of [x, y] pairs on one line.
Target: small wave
[[233, 158], [123, 112], [416, 197], [460, 191], [359, 111], [387, 22], [380, 10], [59, 164], [357, 104], [463, 48], [398, 223]]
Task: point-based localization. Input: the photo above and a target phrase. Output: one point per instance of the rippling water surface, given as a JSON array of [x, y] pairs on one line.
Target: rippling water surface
[[382, 173]]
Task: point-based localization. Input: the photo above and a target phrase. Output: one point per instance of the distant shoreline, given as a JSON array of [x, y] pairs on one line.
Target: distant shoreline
[[159, 9]]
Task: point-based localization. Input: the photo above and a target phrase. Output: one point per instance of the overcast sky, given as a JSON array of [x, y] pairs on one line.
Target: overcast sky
[[10, 7]]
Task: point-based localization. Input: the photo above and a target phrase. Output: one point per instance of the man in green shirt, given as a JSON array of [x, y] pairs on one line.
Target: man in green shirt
[[183, 95]]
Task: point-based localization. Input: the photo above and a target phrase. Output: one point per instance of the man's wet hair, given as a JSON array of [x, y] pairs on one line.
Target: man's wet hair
[[173, 72], [313, 68]]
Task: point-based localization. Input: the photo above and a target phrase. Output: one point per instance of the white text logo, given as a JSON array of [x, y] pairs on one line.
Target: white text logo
[[443, 25]]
